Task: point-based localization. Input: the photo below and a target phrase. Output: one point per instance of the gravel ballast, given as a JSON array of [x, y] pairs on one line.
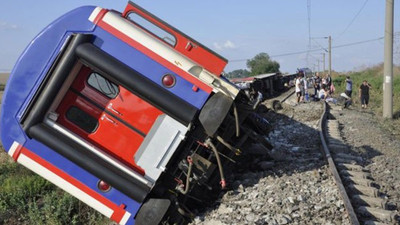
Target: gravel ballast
[[295, 187]]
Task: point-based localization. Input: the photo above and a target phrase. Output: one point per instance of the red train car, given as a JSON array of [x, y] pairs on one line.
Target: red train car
[[139, 125]]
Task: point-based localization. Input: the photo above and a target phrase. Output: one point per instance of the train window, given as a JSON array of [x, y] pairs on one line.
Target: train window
[[83, 120], [103, 85], [152, 28]]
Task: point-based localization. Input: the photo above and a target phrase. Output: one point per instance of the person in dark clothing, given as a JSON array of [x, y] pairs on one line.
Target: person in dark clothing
[[364, 94], [317, 84], [349, 86], [329, 81]]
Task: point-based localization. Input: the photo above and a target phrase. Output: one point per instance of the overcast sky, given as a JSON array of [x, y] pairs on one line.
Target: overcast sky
[[236, 29]]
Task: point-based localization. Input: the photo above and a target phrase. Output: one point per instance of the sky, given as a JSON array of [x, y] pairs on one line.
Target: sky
[[236, 29]]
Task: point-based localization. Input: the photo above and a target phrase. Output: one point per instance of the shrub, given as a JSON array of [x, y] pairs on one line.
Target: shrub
[[374, 76], [26, 198]]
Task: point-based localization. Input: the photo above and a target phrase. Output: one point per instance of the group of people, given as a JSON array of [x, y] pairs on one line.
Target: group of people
[[301, 87], [363, 92], [324, 88]]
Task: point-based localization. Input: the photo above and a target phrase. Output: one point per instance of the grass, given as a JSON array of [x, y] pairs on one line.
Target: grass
[[26, 198], [374, 76]]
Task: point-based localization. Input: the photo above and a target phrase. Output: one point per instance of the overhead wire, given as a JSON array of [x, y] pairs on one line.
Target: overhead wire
[[309, 29], [352, 21], [315, 49], [322, 47]]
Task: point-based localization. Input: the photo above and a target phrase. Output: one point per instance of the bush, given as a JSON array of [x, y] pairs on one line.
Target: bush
[[58, 207], [26, 198], [17, 191], [374, 76]]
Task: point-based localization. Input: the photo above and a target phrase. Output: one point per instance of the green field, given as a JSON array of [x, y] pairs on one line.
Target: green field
[[3, 80], [26, 198], [374, 76]]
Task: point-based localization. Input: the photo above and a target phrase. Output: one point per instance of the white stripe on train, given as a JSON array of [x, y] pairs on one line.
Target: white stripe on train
[[164, 50], [94, 14], [65, 185], [13, 147]]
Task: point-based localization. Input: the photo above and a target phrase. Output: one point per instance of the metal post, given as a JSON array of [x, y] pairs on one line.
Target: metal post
[[330, 55], [323, 55], [318, 66], [388, 63]]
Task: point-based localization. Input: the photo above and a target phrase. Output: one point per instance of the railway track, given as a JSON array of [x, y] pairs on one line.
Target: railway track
[[360, 194], [297, 186]]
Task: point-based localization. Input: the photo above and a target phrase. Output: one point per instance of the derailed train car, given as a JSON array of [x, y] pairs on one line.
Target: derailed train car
[[127, 114]]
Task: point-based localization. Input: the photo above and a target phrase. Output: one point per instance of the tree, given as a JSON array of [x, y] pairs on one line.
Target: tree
[[261, 64], [238, 74]]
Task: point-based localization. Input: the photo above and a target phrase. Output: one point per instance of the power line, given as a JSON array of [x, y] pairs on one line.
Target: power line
[[326, 50], [315, 49], [357, 43], [351, 22], [309, 28]]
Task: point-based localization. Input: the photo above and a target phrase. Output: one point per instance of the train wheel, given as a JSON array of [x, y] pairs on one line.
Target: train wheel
[[152, 211]]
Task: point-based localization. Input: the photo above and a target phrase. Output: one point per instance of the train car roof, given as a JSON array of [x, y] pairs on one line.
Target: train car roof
[[251, 79]]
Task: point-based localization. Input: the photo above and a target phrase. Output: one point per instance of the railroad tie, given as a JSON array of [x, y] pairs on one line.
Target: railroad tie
[[335, 141], [360, 189], [381, 214], [335, 135], [355, 174], [370, 222], [363, 200], [359, 181], [347, 161], [338, 148], [348, 156], [352, 167]]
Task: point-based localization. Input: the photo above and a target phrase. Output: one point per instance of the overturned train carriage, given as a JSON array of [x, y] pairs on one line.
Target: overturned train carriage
[[127, 114]]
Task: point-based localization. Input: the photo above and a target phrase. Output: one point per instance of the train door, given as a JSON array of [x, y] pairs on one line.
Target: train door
[[107, 115]]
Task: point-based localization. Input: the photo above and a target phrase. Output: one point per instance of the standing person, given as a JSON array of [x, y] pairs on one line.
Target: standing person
[[323, 81], [364, 94], [317, 84], [305, 87], [298, 87], [329, 85], [349, 86], [328, 80]]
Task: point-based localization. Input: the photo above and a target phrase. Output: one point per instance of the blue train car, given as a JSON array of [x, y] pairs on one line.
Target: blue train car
[[127, 114]]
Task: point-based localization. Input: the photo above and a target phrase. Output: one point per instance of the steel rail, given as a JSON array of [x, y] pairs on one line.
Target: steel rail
[[346, 200]]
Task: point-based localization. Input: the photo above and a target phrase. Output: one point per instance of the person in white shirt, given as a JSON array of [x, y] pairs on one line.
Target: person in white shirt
[[323, 93], [305, 89], [298, 87]]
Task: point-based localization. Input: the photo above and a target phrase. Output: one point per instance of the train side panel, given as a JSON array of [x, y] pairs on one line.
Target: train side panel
[[25, 79]]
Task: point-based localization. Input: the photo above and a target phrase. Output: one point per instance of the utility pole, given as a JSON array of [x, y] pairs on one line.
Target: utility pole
[[323, 56], [318, 66], [388, 63], [330, 55]]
